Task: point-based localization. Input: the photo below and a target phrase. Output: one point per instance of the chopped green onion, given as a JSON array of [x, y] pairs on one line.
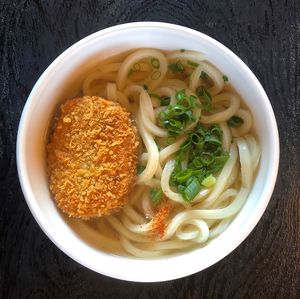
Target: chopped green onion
[[171, 139], [182, 50], [205, 98], [185, 146], [180, 95], [235, 121], [155, 63], [176, 117], [145, 86], [184, 175], [204, 76], [198, 159], [197, 163], [216, 130], [209, 181], [192, 63], [176, 67], [192, 189], [207, 158], [155, 75], [136, 67], [225, 78], [156, 195], [165, 101]]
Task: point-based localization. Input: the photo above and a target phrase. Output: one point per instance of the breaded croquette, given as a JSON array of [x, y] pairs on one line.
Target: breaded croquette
[[92, 157]]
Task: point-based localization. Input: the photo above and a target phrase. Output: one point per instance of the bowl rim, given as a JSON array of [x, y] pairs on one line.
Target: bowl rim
[[30, 199]]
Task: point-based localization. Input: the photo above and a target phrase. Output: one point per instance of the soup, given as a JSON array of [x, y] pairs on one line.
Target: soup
[[197, 157]]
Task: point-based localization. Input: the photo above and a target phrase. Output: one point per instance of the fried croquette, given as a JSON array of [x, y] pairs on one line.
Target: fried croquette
[[92, 157]]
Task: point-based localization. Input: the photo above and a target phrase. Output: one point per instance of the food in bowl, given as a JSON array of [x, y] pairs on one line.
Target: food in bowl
[[197, 156]]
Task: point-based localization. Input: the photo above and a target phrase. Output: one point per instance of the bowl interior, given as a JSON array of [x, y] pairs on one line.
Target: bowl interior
[[62, 80]]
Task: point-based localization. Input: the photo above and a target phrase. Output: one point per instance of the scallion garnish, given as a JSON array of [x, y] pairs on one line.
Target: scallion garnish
[[192, 63], [176, 67], [204, 76], [164, 101], [203, 156], [225, 78], [205, 98], [176, 117], [191, 190], [136, 67], [156, 195], [155, 63], [235, 121], [182, 50], [209, 181], [155, 75], [145, 86]]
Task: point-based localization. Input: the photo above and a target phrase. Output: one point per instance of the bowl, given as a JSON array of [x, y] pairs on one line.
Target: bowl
[[58, 82]]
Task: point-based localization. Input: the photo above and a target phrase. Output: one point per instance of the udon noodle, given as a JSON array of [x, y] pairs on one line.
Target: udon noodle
[[160, 217]]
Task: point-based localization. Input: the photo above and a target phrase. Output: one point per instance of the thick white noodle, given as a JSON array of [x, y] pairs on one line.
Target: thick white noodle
[[213, 73], [95, 76], [186, 55], [111, 91], [202, 231], [165, 178], [254, 150], [246, 165], [138, 55], [234, 104], [213, 209], [109, 68], [226, 140], [220, 228], [123, 231], [166, 91], [133, 215], [174, 83], [148, 116], [221, 180], [246, 126], [122, 99], [152, 149], [201, 214], [169, 150], [137, 252]]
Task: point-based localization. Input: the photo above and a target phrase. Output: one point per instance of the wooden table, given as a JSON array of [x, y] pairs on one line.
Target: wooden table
[[264, 34]]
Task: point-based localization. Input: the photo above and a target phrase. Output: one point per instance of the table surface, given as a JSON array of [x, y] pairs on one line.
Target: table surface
[[264, 34]]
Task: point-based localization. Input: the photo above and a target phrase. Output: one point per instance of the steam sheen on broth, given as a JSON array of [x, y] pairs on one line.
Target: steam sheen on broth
[[198, 153]]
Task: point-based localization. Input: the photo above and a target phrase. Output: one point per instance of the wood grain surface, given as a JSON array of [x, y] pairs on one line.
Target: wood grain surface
[[264, 34]]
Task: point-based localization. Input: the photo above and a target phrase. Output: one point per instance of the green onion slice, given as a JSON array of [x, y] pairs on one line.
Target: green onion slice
[[235, 121], [192, 63], [204, 76], [155, 75], [176, 67], [156, 195], [155, 63], [192, 189], [209, 181]]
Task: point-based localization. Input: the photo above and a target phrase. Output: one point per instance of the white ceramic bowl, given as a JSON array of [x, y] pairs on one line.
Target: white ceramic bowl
[[59, 81]]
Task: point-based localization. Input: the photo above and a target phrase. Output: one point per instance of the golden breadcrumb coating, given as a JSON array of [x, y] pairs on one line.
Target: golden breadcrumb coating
[[92, 157]]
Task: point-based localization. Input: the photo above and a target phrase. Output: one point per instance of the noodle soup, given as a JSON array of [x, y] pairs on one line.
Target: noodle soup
[[198, 152]]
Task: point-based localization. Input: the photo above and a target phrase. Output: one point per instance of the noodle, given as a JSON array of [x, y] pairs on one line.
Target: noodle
[[159, 220]]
